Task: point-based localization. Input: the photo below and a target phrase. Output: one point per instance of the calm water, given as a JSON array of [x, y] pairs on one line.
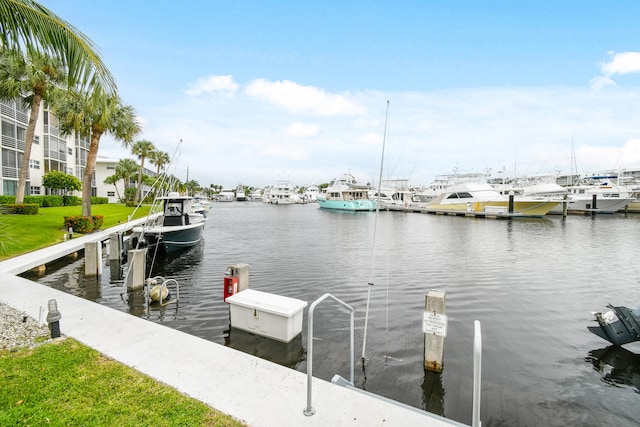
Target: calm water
[[531, 283]]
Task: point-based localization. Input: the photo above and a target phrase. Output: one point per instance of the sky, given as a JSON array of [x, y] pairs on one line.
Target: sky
[[259, 91]]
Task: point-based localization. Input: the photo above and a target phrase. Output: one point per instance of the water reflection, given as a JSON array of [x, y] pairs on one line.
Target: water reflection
[[617, 365], [433, 392], [286, 354]]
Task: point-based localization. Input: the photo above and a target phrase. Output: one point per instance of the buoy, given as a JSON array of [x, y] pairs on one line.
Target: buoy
[[159, 291]]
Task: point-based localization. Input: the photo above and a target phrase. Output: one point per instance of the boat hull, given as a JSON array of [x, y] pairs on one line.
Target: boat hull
[[348, 205], [174, 238], [534, 208], [603, 206]]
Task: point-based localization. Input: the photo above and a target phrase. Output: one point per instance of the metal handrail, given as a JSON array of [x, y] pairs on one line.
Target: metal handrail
[[308, 411], [477, 372]]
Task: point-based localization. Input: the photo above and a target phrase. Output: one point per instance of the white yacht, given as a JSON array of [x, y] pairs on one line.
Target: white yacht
[[282, 193], [226, 195]]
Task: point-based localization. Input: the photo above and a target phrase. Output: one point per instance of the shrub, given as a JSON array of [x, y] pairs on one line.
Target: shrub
[[51, 201], [71, 201], [24, 209], [98, 220], [99, 200], [7, 200], [84, 224], [37, 200]]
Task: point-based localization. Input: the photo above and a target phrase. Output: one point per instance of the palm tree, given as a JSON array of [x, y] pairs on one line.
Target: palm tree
[[142, 149], [31, 80], [125, 169], [27, 24], [160, 159], [113, 179], [91, 115]]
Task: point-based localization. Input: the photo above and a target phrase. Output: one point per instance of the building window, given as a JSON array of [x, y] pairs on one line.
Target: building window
[[111, 193], [111, 167], [70, 151], [35, 190], [36, 139], [34, 164]]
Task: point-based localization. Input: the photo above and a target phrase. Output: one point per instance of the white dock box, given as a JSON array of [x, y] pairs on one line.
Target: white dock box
[[266, 314]]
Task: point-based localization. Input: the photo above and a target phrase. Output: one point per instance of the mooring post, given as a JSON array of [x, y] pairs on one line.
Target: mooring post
[[93, 258], [53, 319], [137, 262], [115, 246], [511, 202], [435, 330], [594, 204]]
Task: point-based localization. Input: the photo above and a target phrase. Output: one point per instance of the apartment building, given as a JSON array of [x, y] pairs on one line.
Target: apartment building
[[50, 151]]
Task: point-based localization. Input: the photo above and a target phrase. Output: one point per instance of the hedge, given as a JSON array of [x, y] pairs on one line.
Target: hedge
[[43, 201], [22, 209], [71, 200], [99, 200]]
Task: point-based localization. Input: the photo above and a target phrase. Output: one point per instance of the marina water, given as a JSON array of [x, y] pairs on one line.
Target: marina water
[[532, 283]]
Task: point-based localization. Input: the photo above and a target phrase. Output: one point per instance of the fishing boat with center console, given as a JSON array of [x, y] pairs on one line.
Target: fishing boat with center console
[[177, 227]]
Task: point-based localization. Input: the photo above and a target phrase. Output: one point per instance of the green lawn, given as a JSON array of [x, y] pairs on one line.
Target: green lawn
[[20, 234], [68, 384]]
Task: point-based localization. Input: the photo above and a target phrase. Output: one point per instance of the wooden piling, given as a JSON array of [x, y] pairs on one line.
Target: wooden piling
[[435, 330]]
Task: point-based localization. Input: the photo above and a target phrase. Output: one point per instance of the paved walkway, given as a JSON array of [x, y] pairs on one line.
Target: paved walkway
[[253, 390]]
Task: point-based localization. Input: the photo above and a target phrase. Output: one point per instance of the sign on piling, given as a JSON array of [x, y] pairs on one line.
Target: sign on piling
[[434, 326]]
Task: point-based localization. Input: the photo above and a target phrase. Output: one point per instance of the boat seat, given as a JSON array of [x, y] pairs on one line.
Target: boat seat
[[172, 220]]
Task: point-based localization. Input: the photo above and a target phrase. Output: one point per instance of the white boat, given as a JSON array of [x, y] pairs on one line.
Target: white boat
[[346, 194], [394, 194], [482, 198], [241, 196], [310, 194], [603, 197], [255, 195], [282, 193], [438, 186], [177, 227], [226, 195], [201, 206]]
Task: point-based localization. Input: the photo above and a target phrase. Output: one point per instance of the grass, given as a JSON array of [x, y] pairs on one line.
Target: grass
[[20, 234], [65, 383]]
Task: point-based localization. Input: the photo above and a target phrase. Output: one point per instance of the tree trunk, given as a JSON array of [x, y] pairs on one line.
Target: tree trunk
[[88, 172], [31, 130], [139, 188]]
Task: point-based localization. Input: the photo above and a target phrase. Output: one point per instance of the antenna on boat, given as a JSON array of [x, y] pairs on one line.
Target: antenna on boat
[[373, 244]]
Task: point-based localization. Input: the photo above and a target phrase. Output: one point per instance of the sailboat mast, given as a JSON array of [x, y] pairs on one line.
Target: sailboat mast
[[373, 244]]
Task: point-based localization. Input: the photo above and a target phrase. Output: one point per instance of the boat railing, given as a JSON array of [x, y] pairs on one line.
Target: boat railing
[[308, 411]]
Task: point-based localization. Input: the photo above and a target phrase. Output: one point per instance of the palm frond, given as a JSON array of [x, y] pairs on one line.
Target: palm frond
[[27, 24]]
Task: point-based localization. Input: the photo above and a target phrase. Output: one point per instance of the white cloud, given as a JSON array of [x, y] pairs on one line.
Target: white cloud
[[622, 63], [297, 98], [529, 130], [619, 64], [213, 84], [302, 130]]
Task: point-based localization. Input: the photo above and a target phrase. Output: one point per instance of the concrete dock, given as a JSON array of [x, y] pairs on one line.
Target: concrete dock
[[252, 390]]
